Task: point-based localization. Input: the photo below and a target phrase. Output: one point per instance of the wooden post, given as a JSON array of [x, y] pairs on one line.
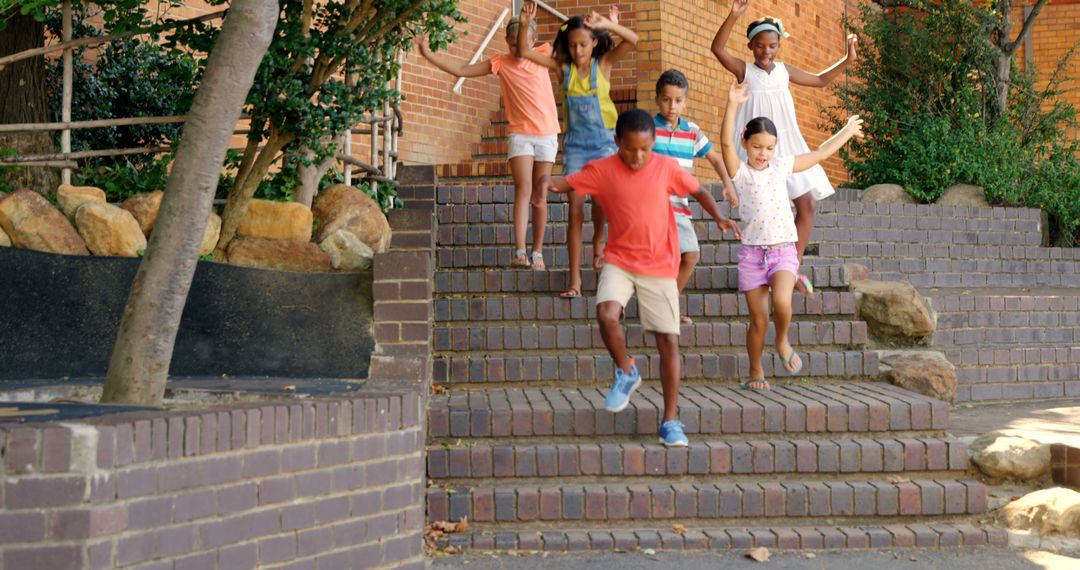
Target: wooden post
[[350, 81], [65, 111]]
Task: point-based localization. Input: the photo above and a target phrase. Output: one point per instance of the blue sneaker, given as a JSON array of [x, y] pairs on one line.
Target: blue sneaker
[[624, 385], [671, 434]]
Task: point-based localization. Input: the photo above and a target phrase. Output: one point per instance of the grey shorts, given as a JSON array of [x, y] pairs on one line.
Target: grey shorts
[[687, 237]]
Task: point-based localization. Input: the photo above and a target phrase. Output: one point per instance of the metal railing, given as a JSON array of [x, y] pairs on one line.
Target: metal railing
[[388, 126]]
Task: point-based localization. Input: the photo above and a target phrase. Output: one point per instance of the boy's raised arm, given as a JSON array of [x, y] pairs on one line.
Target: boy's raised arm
[[524, 46], [450, 65], [853, 128], [719, 44]]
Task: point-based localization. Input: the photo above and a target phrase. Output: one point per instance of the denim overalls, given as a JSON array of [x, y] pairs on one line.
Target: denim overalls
[[587, 137]]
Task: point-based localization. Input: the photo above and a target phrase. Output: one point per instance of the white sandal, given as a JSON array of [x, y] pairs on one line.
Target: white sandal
[[519, 259], [537, 259]]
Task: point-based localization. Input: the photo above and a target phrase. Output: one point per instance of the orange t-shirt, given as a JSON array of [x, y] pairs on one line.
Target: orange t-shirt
[[527, 94], [642, 237]]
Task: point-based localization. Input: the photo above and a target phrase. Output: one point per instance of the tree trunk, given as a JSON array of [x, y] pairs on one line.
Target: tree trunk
[[244, 189], [24, 100], [309, 178], [139, 367]]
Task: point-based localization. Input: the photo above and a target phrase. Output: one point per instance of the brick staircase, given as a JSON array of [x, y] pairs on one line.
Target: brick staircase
[[520, 444]]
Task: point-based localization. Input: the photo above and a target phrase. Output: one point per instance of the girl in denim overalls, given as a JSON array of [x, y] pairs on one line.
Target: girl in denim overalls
[[584, 55]]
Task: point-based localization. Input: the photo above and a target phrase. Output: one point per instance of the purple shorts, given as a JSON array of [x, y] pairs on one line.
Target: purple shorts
[[758, 263]]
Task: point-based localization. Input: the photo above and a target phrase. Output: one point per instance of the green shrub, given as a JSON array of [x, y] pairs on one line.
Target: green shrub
[[924, 85]]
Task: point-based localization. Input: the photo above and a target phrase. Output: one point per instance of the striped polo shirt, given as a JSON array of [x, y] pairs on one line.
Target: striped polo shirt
[[684, 143]]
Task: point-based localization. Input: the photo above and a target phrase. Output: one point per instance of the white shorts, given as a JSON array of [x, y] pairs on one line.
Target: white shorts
[[541, 147], [658, 297]]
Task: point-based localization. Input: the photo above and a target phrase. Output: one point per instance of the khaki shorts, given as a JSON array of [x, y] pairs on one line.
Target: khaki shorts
[[658, 297]]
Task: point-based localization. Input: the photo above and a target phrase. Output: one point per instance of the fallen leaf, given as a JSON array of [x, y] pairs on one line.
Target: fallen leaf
[[634, 548], [289, 387], [452, 549], [896, 479], [679, 528], [438, 389], [913, 559], [759, 554], [462, 525], [648, 552]]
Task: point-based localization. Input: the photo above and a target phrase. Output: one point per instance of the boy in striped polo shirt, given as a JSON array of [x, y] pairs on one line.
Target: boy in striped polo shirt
[[684, 141]]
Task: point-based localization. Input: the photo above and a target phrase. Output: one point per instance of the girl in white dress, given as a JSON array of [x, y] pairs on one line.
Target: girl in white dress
[[768, 80]]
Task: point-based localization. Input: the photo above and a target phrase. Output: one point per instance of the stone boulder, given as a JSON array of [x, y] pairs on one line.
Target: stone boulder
[[345, 207], [109, 230], [853, 272], [287, 255], [1049, 511], [267, 219], [33, 223], [963, 195], [886, 194], [145, 208], [893, 310], [5, 241], [1010, 457], [927, 373], [210, 235], [69, 198], [347, 252]]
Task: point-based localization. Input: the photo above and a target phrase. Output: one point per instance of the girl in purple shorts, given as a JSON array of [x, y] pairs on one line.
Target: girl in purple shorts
[[768, 259]]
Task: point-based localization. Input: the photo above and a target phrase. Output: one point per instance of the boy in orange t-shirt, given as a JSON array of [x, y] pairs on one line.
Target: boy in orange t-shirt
[[642, 254]]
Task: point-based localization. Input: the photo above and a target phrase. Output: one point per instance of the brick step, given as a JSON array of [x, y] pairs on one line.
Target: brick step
[[536, 307], [502, 280], [835, 408], [1067, 386], [706, 501], [828, 536], [595, 368], [1032, 276], [714, 457], [1003, 334], [582, 334]]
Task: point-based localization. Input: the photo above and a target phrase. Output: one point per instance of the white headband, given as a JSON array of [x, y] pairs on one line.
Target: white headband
[[768, 27]]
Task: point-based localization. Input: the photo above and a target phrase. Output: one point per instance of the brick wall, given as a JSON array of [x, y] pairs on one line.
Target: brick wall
[[1056, 30], [329, 482]]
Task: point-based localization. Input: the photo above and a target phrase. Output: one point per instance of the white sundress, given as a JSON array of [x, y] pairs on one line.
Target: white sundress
[[770, 97]]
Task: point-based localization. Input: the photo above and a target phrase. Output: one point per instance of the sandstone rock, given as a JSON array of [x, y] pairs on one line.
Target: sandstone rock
[[33, 223], [927, 373], [344, 207], [347, 252], [1010, 457], [886, 194], [211, 235], [5, 241], [855, 272], [145, 209], [963, 195], [893, 309], [109, 230], [69, 198], [1049, 511], [276, 220], [288, 255]]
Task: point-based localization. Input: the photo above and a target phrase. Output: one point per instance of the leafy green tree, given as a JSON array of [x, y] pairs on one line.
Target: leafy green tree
[[927, 85]]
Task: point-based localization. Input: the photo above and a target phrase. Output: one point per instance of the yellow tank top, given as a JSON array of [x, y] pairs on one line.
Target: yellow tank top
[[580, 85]]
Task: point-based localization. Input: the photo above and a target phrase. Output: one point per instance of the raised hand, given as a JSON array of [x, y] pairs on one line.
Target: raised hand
[[528, 12], [613, 14], [739, 92], [852, 43], [597, 22], [854, 126], [738, 7], [421, 42]]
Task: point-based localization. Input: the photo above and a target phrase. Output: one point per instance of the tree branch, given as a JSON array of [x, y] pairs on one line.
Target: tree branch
[[1029, 22]]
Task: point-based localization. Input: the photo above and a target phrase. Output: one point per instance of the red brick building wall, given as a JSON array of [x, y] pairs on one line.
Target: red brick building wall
[[1056, 31]]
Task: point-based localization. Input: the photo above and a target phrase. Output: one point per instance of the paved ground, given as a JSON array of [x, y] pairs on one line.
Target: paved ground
[[983, 559], [1049, 421]]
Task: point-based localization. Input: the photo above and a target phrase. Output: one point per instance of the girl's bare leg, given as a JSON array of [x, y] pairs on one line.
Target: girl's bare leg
[[757, 301], [539, 213], [782, 284], [573, 244], [805, 207], [521, 167]]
